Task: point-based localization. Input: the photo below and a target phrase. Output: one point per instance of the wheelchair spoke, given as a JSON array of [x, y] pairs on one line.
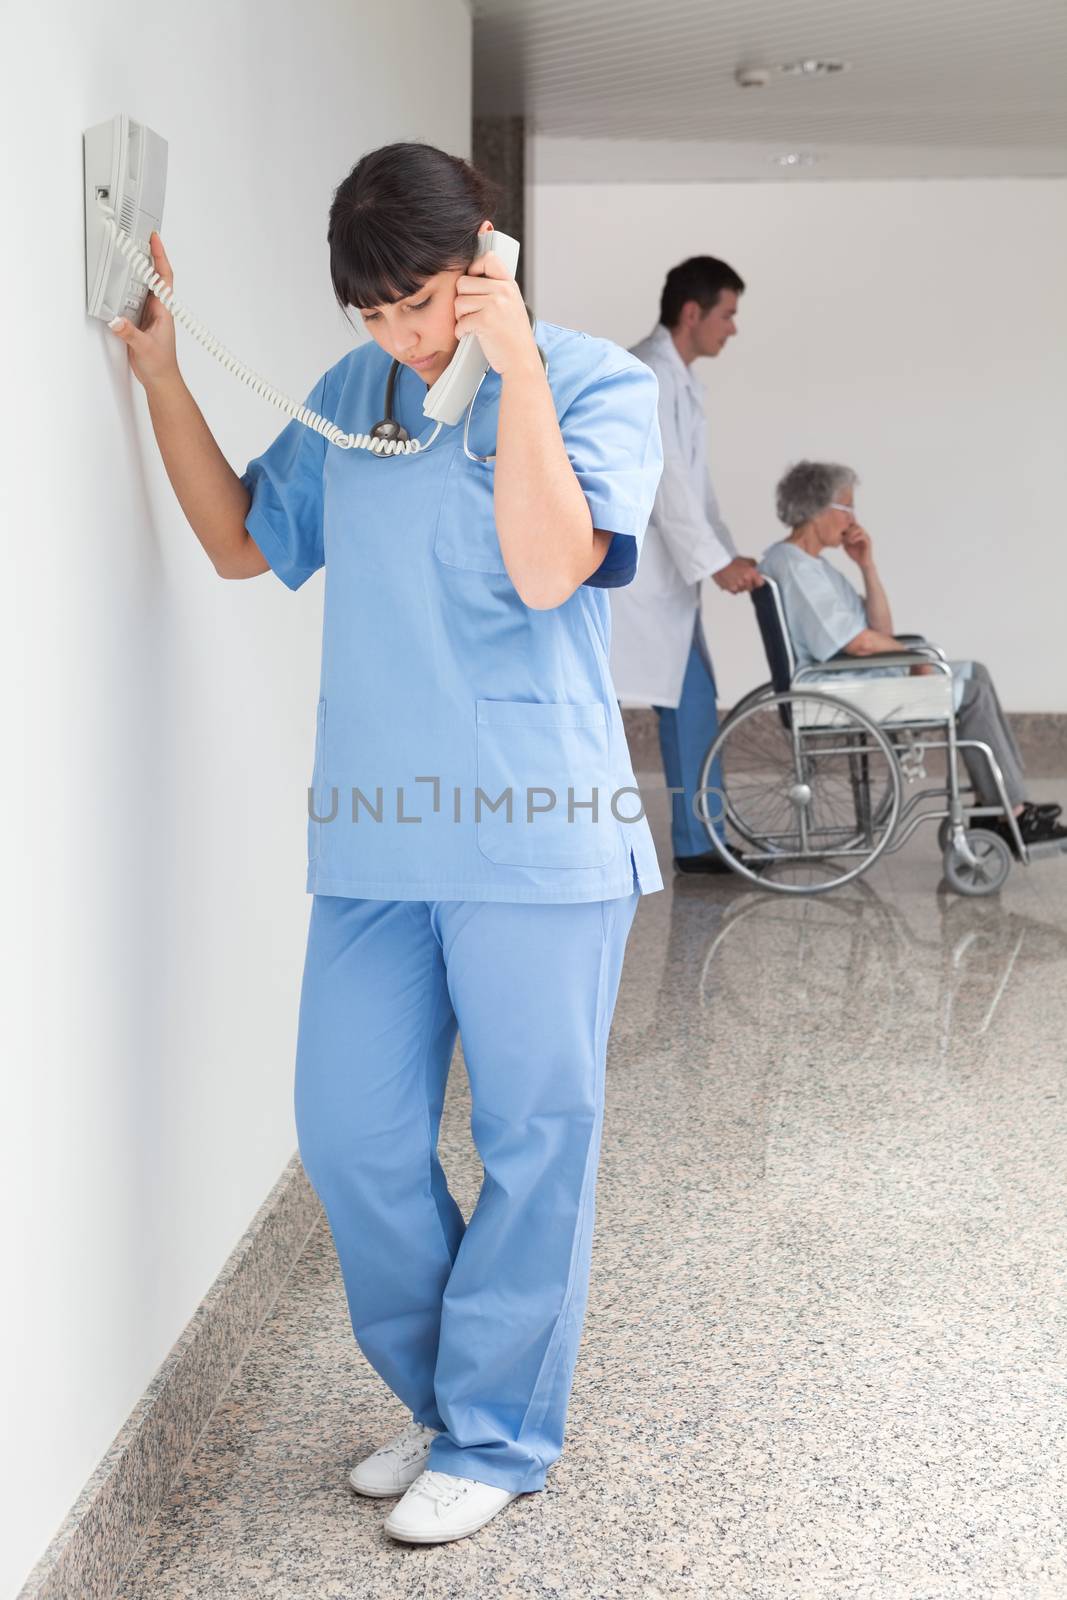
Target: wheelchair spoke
[[812, 787]]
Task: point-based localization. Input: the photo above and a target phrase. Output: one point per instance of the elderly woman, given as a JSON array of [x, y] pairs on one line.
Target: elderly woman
[[826, 617]]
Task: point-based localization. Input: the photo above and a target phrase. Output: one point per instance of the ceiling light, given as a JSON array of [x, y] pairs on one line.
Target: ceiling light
[[794, 158], [812, 67]]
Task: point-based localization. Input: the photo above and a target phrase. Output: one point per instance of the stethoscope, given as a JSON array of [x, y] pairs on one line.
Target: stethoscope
[[390, 428], [387, 438]]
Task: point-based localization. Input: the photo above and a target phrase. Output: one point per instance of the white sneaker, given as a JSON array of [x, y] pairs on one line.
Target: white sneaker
[[392, 1468], [440, 1506]]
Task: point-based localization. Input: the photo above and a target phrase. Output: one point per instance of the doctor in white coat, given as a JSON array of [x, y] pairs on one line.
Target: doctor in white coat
[[659, 654]]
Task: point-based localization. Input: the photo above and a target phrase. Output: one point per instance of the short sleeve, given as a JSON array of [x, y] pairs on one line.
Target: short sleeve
[[821, 616], [285, 482], [612, 437]]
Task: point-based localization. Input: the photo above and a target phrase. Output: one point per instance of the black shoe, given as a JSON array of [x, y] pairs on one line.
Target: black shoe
[[1041, 808], [708, 861], [1035, 824], [1047, 809]]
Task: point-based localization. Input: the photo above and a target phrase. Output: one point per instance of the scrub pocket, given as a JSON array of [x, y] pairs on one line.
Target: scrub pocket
[[466, 535], [536, 745], [319, 801]]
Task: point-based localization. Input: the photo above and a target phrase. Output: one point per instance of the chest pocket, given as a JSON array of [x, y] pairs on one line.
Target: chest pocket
[[466, 534]]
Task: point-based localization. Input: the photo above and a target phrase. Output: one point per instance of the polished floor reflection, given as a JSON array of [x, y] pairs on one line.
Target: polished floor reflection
[[825, 1352]]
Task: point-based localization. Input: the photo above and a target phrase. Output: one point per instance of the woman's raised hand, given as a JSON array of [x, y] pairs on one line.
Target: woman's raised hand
[[489, 305], [152, 347], [857, 544]]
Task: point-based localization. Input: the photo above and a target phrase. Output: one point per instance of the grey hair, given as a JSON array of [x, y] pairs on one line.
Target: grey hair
[[808, 487]]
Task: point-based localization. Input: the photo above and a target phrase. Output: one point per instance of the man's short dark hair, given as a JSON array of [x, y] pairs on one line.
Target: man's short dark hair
[[701, 278]]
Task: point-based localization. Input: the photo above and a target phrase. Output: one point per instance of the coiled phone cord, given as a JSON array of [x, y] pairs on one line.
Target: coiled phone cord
[[143, 269]]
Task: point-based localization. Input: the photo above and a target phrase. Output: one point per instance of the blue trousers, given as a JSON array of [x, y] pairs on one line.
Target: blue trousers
[[475, 1326], [685, 732]]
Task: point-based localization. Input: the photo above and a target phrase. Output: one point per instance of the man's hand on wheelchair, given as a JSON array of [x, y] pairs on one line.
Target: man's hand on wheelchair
[[740, 576]]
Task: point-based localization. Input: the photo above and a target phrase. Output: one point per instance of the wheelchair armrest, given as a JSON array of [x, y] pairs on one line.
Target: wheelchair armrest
[[918, 638], [910, 639], [888, 658]]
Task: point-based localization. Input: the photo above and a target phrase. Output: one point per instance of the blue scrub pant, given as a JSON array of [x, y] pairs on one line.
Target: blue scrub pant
[[474, 1327], [685, 732]]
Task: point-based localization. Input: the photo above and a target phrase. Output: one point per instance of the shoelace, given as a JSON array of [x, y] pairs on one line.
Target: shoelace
[[407, 1444], [439, 1487]]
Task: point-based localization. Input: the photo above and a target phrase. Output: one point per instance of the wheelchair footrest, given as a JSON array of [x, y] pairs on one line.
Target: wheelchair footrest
[[1048, 847]]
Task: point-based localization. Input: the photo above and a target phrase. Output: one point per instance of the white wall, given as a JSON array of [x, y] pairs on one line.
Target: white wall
[[917, 331], [159, 722]]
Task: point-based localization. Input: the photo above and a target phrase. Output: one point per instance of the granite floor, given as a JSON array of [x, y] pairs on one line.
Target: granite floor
[[825, 1348]]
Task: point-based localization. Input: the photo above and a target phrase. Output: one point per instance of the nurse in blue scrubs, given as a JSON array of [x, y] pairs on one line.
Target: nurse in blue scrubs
[[476, 840]]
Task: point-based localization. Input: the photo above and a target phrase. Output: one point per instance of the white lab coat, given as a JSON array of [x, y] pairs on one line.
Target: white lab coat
[[653, 617]]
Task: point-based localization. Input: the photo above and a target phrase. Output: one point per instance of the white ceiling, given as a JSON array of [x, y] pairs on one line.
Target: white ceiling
[[936, 87]]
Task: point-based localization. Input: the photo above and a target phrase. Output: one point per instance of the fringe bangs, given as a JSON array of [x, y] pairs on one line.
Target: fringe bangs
[[405, 213], [370, 266]]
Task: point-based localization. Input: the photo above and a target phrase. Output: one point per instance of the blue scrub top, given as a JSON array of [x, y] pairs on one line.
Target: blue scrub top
[[463, 737]]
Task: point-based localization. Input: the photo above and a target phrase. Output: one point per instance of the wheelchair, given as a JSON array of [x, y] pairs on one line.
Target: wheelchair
[[813, 771]]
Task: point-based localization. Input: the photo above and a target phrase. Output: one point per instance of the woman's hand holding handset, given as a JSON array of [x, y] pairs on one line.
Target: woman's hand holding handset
[[152, 347], [490, 305]]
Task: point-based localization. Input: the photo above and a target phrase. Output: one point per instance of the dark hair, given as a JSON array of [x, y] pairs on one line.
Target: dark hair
[[701, 278], [404, 213]]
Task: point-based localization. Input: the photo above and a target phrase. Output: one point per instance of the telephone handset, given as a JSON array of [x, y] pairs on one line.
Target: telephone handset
[[449, 397], [125, 167]]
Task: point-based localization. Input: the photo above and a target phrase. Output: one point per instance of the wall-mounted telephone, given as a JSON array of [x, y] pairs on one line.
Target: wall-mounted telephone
[[126, 172], [125, 179]]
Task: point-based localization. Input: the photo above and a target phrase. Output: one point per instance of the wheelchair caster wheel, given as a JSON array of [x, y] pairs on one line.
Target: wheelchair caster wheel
[[987, 872], [944, 834]]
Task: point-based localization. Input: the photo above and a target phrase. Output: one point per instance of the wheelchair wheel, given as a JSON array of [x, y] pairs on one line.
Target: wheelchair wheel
[[811, 784], [747, 701], [944, 833], [883, 791], [990, 867]]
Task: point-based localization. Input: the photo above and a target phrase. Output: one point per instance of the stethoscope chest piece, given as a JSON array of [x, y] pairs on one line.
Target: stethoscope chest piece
[[389, 428]]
